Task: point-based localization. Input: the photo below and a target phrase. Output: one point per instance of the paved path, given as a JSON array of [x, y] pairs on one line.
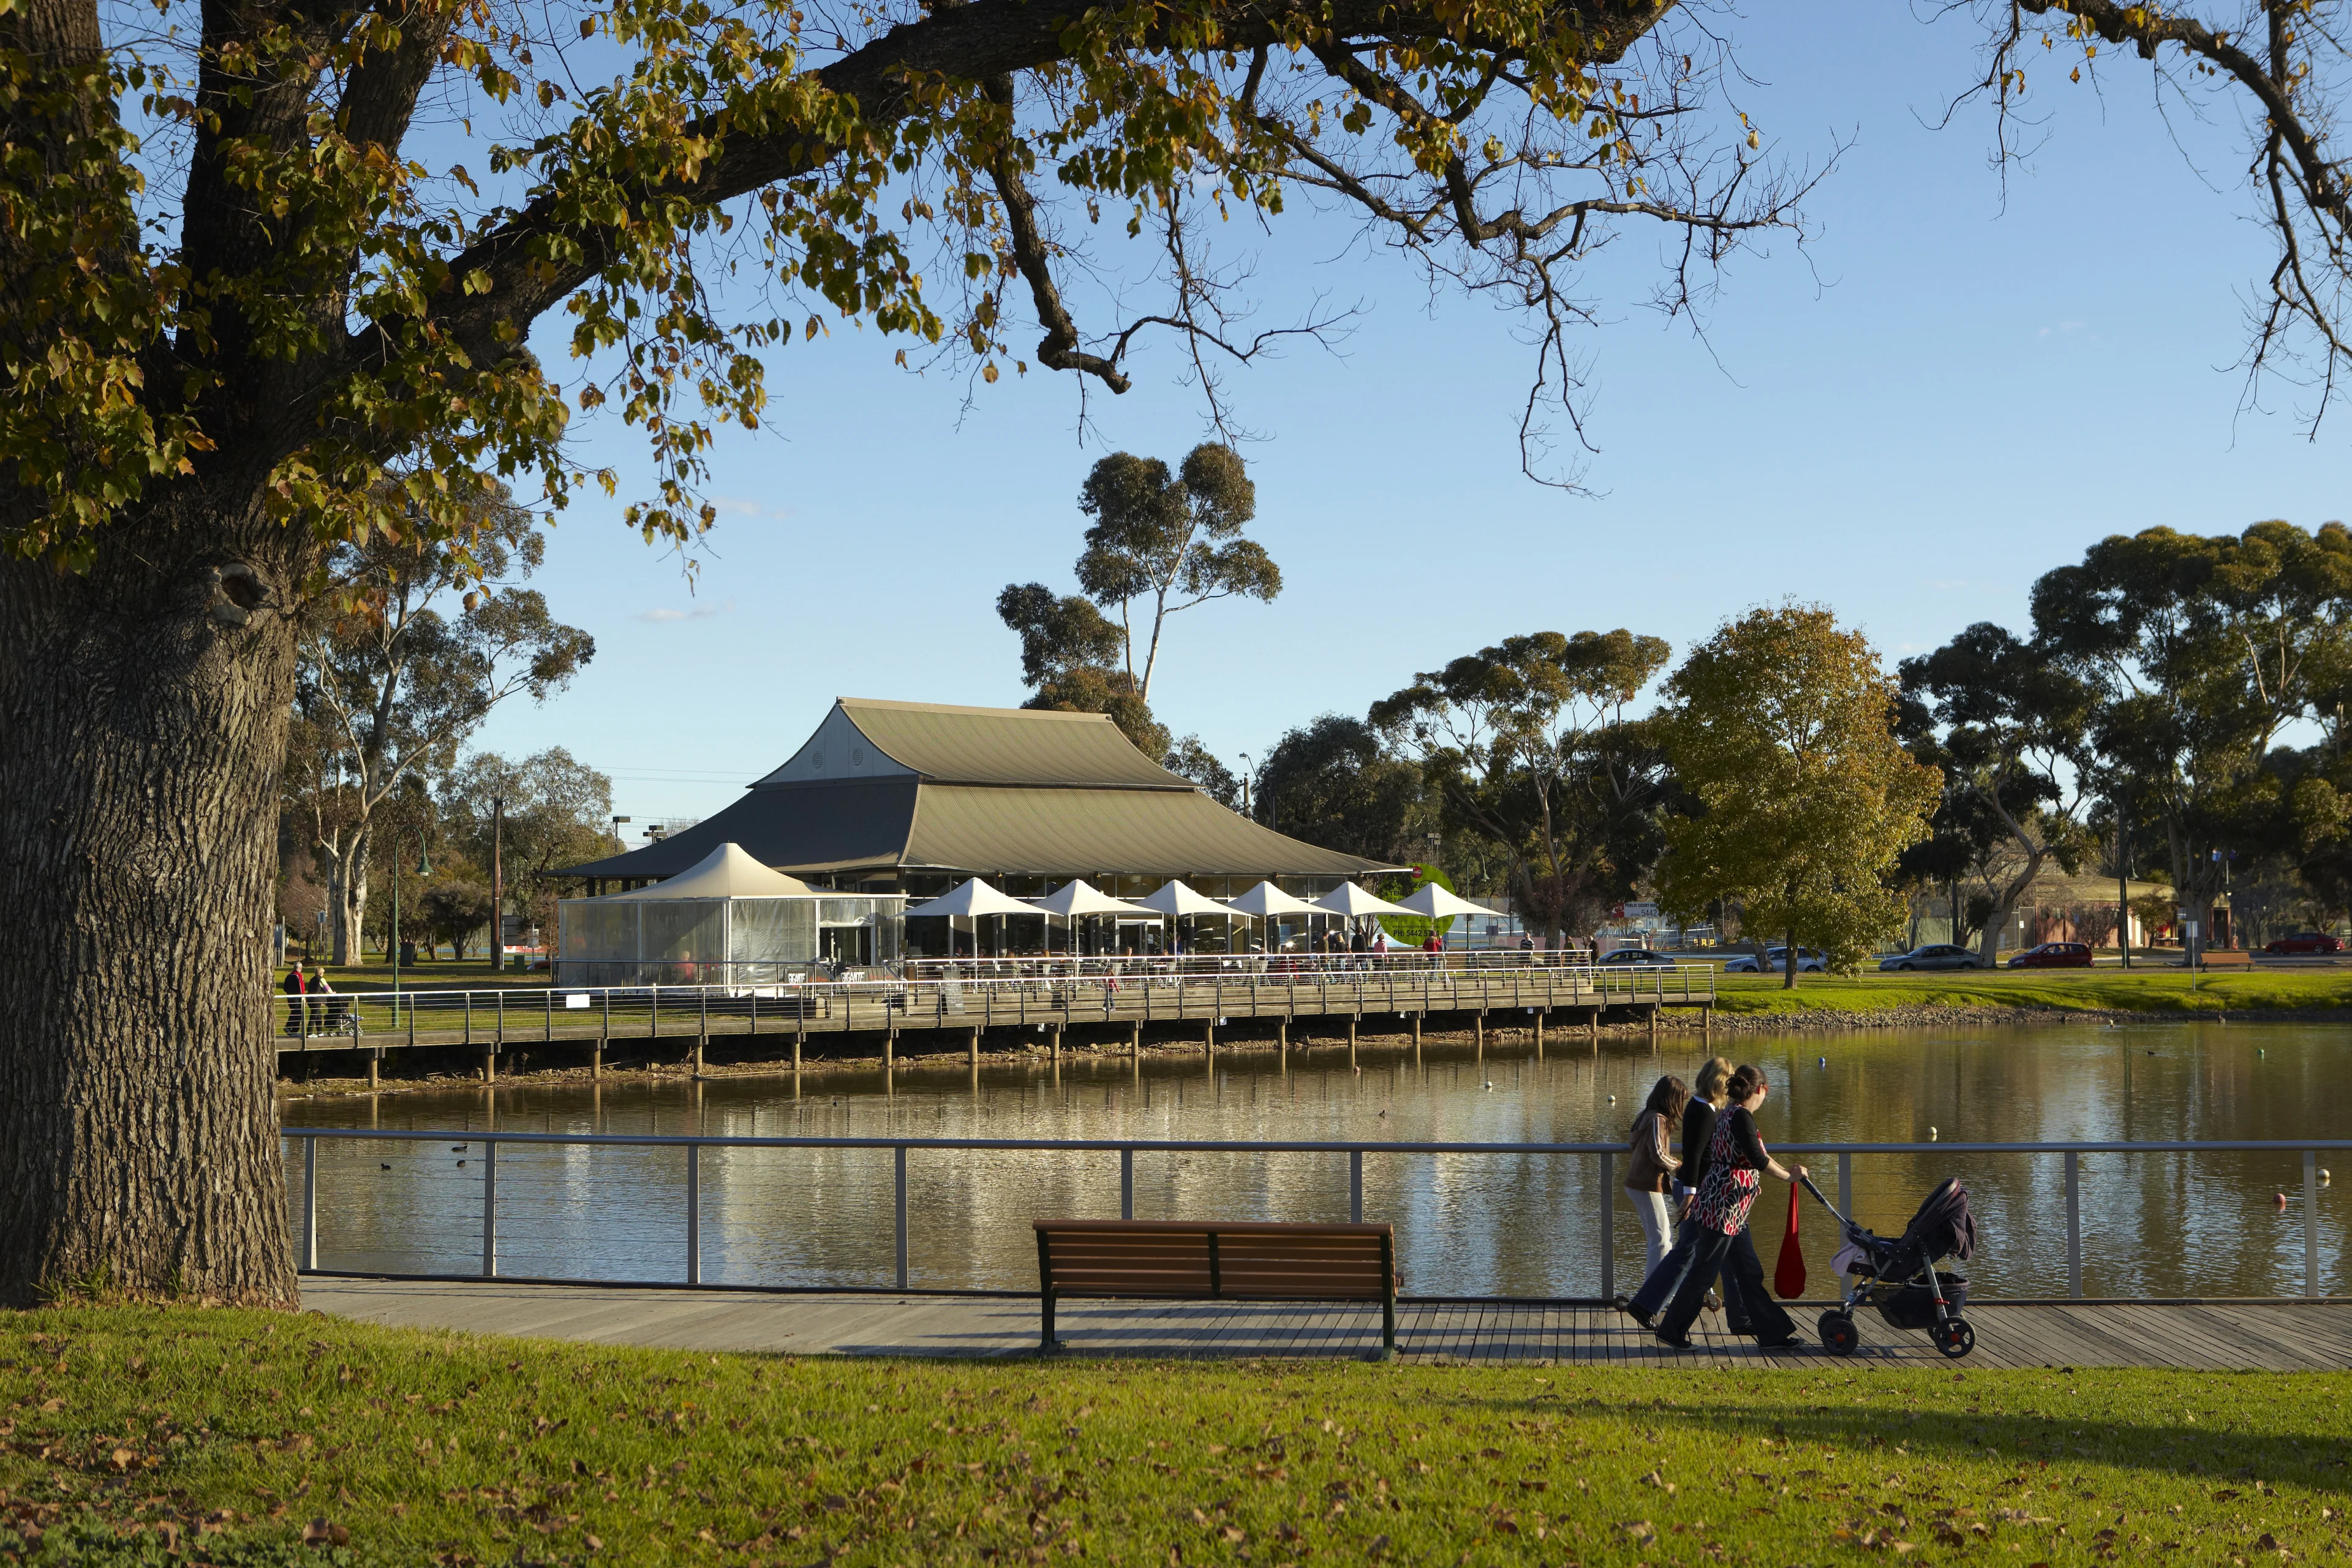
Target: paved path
[[2281, 1338]]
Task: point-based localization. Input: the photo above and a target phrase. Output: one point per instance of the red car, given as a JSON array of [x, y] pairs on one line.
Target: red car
[[2054, 955], [2306, 942]]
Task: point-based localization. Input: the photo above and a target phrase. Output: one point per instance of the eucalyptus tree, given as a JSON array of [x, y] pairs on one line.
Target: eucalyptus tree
[[2012, 724], [2197, 652], [1330, 781], [1531, 744], [254, 259], [1170, 542], [423, 637]]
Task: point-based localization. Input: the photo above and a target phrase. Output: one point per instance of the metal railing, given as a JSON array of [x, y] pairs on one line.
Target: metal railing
[[306, 1225], [1047, 992]]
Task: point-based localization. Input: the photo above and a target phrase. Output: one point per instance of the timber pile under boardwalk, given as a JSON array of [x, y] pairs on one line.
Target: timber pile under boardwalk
[[2213, 1335], [935, 1016]]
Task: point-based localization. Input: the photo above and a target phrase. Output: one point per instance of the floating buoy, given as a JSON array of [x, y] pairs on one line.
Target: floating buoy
[[1824, 1061], [2278, 1200], [2323, 1175], [1931, 1135], [2260, 1052], [1612, 1099], [1490, 1084]]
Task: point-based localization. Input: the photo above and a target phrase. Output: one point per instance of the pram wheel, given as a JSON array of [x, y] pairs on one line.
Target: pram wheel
[[1954, 1337], [1838, 1333]]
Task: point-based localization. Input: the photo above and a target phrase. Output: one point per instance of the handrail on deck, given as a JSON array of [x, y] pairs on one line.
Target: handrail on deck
[[1127, 1149], [1048, 992]]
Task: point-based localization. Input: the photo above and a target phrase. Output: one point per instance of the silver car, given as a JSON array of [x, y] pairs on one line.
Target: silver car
[[1935, 955], [1810, 961]]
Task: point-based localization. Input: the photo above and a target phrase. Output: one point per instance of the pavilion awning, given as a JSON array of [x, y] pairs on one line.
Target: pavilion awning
[[1178, 901], [1076, 898], [1348, 899], [1267, 901], [1437, 903], [969, 898]]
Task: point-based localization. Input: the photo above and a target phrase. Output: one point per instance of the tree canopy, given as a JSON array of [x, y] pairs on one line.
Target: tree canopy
[[1801, 798], [1529, 745]]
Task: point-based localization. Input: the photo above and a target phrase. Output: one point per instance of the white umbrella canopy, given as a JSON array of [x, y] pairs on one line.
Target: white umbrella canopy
[[1080, 898], [1266, 899], [1348, 899], [1437, 903], [972, 897], [1176, 899]]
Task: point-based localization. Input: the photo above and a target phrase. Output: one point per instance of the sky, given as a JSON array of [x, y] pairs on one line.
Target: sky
[[1957, 385]]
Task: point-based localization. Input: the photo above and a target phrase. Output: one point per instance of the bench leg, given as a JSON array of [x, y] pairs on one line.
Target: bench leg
[[1388, 1327], [1045, 1331]]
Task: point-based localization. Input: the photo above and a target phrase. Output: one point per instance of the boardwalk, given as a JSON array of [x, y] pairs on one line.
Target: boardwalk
[[2216, 1335]]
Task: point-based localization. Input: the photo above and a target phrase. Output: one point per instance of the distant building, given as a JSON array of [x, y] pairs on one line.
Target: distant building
[[910, 797]]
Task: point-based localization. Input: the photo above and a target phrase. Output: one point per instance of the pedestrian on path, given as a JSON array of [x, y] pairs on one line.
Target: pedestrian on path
[[1652, 1164], [1737, 1160], [297, 1009]]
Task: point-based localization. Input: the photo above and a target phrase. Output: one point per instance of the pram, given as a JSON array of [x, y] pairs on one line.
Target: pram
[[1898, 1276]]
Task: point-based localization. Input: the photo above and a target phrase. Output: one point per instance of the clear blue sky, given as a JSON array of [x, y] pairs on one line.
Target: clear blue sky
[[1947, 394]]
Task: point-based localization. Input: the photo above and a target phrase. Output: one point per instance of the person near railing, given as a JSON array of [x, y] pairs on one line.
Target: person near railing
[[1652, 1163], [297, 1010], [1737, 1160]]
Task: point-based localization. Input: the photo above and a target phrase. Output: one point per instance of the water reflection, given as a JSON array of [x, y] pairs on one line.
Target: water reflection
[[2157, 1224]]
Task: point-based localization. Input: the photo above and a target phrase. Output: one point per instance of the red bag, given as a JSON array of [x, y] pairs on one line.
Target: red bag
[[1789, 1275]]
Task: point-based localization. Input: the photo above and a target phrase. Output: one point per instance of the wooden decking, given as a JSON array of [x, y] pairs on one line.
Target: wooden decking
[[958, 1014], [2281, 1337]]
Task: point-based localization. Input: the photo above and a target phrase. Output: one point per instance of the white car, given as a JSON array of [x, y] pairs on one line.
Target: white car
[[1810, 961]]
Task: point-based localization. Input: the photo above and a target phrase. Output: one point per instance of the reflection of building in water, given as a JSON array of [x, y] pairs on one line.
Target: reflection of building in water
[[912, 798]]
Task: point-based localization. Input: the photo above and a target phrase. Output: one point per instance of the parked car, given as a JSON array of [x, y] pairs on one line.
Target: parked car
[[1810, 961], [1625, 955], [1935, 955], [2305, 941], [2054, 955]]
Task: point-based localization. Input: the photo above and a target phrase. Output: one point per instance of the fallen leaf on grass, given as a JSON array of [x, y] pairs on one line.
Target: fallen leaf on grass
[[325, 1532], [1640, 1531]]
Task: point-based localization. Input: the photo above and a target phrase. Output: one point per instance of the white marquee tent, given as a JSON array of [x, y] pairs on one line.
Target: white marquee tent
[[727, 919]]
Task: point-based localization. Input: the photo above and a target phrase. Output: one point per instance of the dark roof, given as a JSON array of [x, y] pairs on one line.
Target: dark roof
[[982, 790], [1006, 745]]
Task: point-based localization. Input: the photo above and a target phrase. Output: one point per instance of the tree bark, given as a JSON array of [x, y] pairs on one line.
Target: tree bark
[[145, 704], [1789, 963]]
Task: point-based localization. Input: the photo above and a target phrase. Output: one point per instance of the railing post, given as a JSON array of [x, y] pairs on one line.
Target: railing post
[[1607, 1226], [489, 1209], [1127, 1183], [902, 1215], [2310, 1221], [311, 1205], [1354, 1186], [2073, 1224], [694, 1214], [1845, 1183]]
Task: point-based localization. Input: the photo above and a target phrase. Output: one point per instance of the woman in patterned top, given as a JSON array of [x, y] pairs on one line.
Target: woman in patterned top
[[1737, 1160]]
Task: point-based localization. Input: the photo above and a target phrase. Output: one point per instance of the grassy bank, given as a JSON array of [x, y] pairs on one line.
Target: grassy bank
[[2065, 990], [145, 1436]]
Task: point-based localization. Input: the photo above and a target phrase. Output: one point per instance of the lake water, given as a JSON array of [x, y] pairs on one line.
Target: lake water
[[2155, 1224]]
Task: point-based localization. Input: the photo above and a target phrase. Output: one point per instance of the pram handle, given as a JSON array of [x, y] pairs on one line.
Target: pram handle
[[1807, 1182]]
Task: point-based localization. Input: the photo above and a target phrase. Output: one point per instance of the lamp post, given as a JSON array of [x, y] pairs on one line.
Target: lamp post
[[1246, 784], [497, 885]]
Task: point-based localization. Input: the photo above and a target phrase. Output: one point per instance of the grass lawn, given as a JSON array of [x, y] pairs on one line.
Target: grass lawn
[[2132, 991], [437, 975], [178, 1436]]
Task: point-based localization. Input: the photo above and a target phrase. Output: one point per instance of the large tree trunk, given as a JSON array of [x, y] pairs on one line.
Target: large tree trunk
[[350, 899], [145, 708]]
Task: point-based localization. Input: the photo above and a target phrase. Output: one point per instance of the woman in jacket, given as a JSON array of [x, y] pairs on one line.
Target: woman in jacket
[[1652, 1163], [1736, 1162]]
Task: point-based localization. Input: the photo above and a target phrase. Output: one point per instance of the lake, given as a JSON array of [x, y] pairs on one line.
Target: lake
[[2162, 1225]]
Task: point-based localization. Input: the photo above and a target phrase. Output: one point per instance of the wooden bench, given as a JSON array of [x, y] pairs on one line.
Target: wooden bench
[[1183, 1260], [2222, 958]]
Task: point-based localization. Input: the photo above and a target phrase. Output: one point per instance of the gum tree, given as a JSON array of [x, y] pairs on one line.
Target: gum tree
[[256, 257]]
